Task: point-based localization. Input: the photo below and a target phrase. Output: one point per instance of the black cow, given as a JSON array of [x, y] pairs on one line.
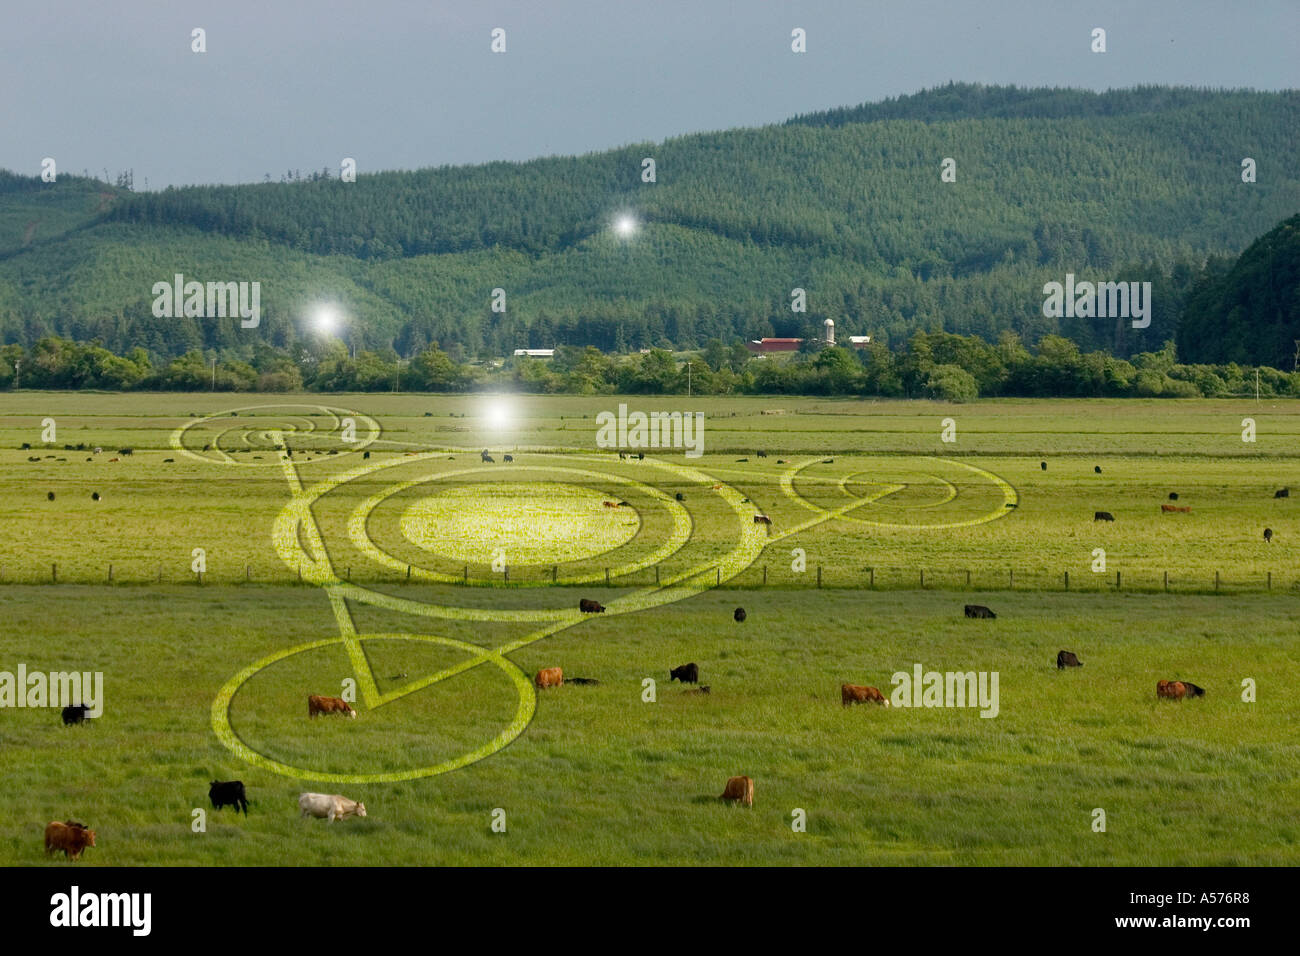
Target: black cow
[[680, 497], [94, 496], [1103, 516], [587, 606], [365, 454], [761, 454], [1193, 690], [1096, 469], [622, 456], [49, 496], [979, 610], [687, 674], [640, 456], [1043, 465], [1066, 659], [229, 793], [1268, 534], [126, 451], [75, 714], [509, 458], [1173, 496], [1282, 493], [27, 446], [828, 461], [739, 615]]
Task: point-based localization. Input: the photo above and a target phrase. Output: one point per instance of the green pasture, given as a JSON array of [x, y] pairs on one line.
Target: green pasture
[[434, 560]]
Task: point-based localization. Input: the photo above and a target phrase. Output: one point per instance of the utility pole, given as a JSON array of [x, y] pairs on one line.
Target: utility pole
[[214, 375], [688, 378]]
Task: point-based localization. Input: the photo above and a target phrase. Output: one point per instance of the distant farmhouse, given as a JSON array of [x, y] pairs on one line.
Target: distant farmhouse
[[769, 345], [536, 353]]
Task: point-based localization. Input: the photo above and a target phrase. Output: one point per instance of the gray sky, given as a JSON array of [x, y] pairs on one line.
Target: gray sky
[[403, 85]]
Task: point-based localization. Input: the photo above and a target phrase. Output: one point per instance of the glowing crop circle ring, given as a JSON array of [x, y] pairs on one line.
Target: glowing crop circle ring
[[360, 520], [523, 714]]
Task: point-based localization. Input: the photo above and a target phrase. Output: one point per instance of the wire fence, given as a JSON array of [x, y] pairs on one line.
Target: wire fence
[[704, 575]]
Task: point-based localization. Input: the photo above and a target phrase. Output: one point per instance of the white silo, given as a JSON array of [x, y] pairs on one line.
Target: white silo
[[830, 331]]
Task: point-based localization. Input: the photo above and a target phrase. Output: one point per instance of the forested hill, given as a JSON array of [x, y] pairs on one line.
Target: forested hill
[[1140, 184]]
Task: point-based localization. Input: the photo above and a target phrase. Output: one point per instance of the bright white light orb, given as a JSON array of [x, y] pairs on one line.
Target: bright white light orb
[[499, 414], [625, 226], [326, 320]]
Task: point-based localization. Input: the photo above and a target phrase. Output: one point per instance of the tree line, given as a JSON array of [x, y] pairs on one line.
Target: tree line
[[938, 365]]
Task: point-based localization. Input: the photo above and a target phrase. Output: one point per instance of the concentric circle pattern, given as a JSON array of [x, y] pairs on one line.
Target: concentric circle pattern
[[444, 517]]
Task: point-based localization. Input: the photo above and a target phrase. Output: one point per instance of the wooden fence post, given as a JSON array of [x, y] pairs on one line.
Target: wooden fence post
[[1216, 580], [1166, 580], [819, 575], [873, 576], [1117, 581], [765, 575], [54, 573], [110, 574], [923, 578], [607, 577], [1067, 580], [1270, 580], [1011, 577]]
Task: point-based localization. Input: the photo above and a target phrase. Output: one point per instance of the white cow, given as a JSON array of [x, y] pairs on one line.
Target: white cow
[[329, 805]]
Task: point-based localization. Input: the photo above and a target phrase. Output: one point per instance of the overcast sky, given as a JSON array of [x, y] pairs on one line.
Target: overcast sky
[[402, 85]]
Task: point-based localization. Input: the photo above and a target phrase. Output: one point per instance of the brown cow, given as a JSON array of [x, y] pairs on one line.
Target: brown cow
[[856, 694], [69, 837], [762, 519], [1174, 690], [610, 504], [549, 677], [741, 789], [588, 606], [1175, 508], [328, 705]]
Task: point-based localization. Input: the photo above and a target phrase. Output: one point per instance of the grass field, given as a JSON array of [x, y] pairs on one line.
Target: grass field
[[392, 570]]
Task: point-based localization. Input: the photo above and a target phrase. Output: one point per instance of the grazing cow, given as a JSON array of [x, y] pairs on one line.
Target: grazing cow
[[828, 461], [780, 461], [1103, 516], [365, 454], [1096, 469], [328, 705], [762, 519], [640, 456], [740, 789], [94, 496], [1176, 509], [484, 456], [1066, 659], [588, 606], [1268, 535], [1173, 496], [50, 496], [622, 456], [332, 806], [980, 611], [69, 837], [610, 504], [166, 461], [229, 793], [1178, 689], [1043, 465], [114, 459], [27, 446], [739, 615], [762, 454], [508, 458], [679, 496], [126, 451], [75, 714], [856, 694], [687, 674], [624, 504], [1282, 493], [549, 677]]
